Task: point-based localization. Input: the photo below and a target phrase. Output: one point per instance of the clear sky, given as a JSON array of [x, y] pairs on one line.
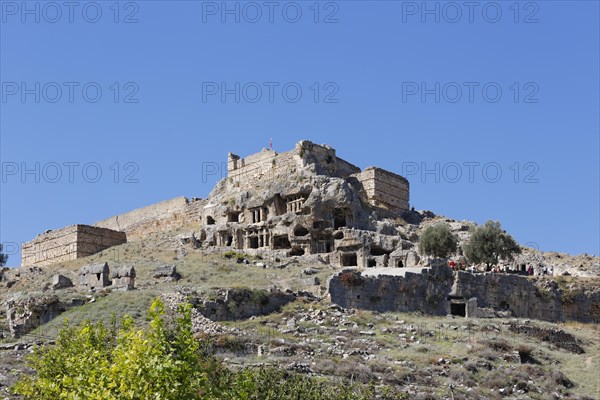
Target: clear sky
[[490, 109]]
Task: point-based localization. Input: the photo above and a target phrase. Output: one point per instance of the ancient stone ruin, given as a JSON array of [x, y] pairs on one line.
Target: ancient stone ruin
[[93, 277], [123, 278], [308, 202], [439, 291], [69, 243], [300, 202]]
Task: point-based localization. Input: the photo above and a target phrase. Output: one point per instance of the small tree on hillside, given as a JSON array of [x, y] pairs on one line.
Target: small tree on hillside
[[3, 257], [489, 243], [437, 241]]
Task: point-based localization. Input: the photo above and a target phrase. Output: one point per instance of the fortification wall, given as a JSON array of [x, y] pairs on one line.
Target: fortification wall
[[344, 169], [270, 165], [91, 240], [264, 166], [384, 188], [153, 218], [51, 247], [68, 244]]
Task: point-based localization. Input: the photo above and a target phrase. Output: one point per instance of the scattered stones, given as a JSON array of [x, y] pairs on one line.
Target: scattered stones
[[166, 271]]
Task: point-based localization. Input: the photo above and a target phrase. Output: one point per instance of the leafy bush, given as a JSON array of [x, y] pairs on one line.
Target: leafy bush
[[93, 361]]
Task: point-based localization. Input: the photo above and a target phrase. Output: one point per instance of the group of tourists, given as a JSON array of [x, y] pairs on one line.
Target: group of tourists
[[461, 266]]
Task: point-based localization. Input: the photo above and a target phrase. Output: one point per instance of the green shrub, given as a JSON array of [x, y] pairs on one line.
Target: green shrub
[[164, 361]]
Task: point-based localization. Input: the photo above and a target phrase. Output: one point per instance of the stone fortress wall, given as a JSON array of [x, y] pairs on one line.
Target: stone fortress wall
[[385, 189], [69, 243], [153, 218], [228, 220], [270, 165]]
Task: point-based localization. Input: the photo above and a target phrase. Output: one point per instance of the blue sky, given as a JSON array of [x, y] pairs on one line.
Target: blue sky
[[490, 110]]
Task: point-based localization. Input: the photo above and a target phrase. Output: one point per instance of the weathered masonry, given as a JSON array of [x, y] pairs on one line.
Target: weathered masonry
[[438, 291], [306, 201], [383, 188], [69, 243]]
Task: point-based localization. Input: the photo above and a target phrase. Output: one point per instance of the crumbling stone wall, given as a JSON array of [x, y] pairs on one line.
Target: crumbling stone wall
[[241, 303], [486, 295], [510, 292], [69, 243], [426, 291], [270, 165]]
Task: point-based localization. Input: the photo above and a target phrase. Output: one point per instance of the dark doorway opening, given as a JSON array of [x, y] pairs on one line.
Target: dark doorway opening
[[348, 260], [458, 309], [371, 263], [210, 220], [281, 242], [377, 251], [339, 218], [300, 231], [253, 242], [233, 217]]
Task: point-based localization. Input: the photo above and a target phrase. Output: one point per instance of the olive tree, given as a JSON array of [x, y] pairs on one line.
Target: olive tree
[[489, 243], [437, 241]]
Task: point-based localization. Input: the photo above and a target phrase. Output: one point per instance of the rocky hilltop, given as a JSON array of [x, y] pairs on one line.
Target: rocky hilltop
[[300, 241]]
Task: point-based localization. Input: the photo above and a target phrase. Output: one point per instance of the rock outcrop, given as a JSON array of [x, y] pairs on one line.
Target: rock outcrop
[[28, 313]]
